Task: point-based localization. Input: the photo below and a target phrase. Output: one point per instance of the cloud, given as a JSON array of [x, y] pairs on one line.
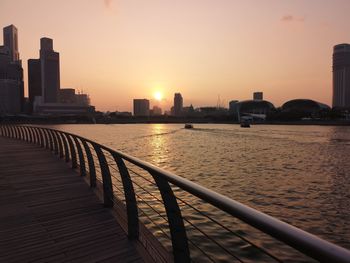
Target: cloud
[[291, 18]]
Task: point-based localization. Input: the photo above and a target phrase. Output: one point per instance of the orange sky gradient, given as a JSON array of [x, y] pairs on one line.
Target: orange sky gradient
[[117, 50]]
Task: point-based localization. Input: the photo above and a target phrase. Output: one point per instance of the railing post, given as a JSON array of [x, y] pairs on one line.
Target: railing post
[[12, 132], [65, 144], [20, 135], [8, 131], [15, 133], [130, 198], [18, 132], [81, 157], [179, 240], [47, 140], [41, 137], [49, 135], [54, 138], [25, 130], [91, 163], [106, 177], [72, 151], [60, 145]]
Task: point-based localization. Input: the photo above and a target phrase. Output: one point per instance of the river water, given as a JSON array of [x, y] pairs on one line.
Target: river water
[[299, 174]]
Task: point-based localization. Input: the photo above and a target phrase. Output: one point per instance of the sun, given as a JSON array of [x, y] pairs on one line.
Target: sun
[[158, 96]]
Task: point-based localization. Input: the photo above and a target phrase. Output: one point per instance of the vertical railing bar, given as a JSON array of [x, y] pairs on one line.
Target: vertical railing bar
[[54, 143], [179, 240], [40, 137], [81, 157], [51, 144], [60, 145], [130, 198], [72, 151], [26, 134], [106, 177], [12, 131], [19, 132], [65, 144], [91, 164], [46, 137], [16, 135]]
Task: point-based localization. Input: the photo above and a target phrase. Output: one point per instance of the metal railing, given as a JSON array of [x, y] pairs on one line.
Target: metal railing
[[190, 221]]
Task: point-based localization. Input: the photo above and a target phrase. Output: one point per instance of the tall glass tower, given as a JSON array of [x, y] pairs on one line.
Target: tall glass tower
[[11, 41], [341, 76]]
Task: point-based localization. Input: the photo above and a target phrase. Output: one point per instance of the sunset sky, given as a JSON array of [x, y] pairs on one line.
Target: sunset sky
[[117, 50]]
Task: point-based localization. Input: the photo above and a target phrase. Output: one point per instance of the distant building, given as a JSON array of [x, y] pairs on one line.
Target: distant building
[[82, 99], [141, 107], [188, 111], [156, 111], [66, 96], [11, 42], [61, 108], [11, 74], [9, 97], [254, 108], [258, 95], [178, 104], [50, 71], [304, 105], [45, 94], [34, 79], [232, 106], [341, 76]]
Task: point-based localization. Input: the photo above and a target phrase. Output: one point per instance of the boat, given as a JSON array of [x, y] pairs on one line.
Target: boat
[[245, 124], [188, 126]]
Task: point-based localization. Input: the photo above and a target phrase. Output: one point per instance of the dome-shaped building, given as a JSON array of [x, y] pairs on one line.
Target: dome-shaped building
[[253, 107], [304, 105]]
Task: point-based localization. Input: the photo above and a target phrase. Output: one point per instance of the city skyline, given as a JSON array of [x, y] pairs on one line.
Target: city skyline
[[203, 48]]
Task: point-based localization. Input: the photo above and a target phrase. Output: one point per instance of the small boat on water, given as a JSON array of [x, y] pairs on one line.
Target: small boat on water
[[188, 126], [245, 124]]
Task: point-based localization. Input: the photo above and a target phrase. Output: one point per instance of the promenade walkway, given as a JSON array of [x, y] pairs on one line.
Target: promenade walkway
[[49, 214]]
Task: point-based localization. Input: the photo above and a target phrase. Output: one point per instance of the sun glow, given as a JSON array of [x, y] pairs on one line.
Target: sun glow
[[158, 96]]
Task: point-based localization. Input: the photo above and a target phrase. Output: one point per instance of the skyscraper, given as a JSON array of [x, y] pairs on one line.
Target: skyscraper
[[141, 107], [11, 74], [178, 104], [11, 41], [50, 71], [341, 76], [34, 79]]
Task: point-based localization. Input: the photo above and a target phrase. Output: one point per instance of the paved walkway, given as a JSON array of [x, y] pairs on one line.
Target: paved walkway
[[49, 214]]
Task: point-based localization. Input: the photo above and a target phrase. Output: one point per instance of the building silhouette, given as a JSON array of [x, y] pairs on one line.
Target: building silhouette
[[34, 80], [50, 71], [155, 111], [258, 95], [178, 104], [45, 93], [341, 76], [11, 41], [141, 107], [11, 74]]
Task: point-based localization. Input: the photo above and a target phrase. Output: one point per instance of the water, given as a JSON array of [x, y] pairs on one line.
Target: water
[[299, 174]]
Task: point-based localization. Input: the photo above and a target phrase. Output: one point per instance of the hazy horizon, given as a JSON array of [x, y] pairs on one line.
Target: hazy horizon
[[117, 50]]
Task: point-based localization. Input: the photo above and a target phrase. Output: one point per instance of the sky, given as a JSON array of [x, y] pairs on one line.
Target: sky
[[211, 51]]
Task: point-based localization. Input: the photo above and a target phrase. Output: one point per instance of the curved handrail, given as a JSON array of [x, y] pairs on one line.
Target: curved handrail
[[56, 140]]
